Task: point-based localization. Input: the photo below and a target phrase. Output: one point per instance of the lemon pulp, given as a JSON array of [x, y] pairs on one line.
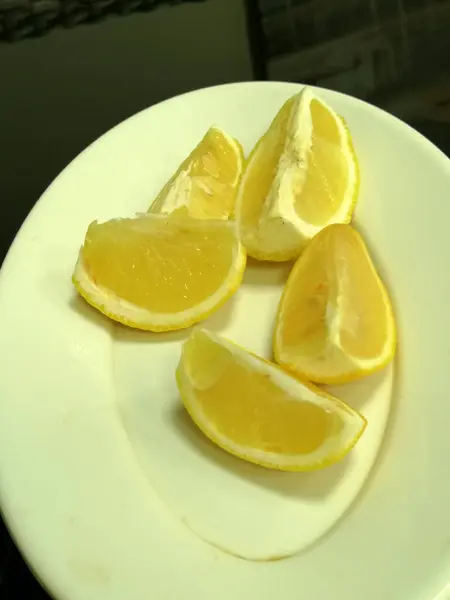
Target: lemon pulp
[[335, 320], [327, 174], [206, 180], [157, 265], [245, 405], [260, 176]]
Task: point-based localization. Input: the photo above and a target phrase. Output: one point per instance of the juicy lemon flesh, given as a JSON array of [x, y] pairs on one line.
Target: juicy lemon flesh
[[267, 153], [335, 279], [364, 326], [327, 173], [305, 309], [214, 168], [247, 407], [163, 265]]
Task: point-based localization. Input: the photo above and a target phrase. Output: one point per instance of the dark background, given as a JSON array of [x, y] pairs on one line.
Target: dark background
[[96, 66]]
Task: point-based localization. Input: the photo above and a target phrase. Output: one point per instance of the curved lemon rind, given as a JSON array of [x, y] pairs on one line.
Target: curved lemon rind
[[349, 376], [265, 459], [103, 299]]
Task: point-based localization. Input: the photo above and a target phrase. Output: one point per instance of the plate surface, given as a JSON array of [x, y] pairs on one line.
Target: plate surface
[[106, 486]]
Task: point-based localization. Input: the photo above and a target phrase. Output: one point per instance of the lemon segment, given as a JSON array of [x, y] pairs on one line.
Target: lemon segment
[[301, 176], [206, 181], [258, 412], [159, 272], [335, 321]]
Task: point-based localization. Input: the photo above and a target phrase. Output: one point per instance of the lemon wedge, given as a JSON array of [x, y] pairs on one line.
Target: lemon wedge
[[301, 176], [335, 321], [206, 181], [159, 272], [258, 412]]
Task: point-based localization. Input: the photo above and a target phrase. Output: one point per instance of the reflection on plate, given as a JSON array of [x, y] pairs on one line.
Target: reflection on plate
[[243, 509]]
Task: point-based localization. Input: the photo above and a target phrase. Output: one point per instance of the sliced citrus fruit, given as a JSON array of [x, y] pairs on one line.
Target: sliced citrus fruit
[[159, 272], [258, 412], [206, 181], [335, 321], [301, 176]]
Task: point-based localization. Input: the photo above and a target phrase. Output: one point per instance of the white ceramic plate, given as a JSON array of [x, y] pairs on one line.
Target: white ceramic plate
[[110, 491]]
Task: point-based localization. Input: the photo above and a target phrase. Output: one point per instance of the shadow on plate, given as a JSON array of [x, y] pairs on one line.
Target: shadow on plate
[[222, 318], [266, 273], [313, 486], [356, 393], [138, 336], [83, 308], [216, 322]]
